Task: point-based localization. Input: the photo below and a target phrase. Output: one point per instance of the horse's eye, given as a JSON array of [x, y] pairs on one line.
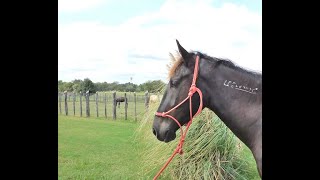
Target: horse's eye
[[171, 83]]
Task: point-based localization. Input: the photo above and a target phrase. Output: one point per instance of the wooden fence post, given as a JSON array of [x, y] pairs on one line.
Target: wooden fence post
[[74, 104], [135, 106], [146, 99], [114, 106], [97, 104], [87, 104], [105, 105], [125, 106], [66, 102], [59, 94], [80, 104]]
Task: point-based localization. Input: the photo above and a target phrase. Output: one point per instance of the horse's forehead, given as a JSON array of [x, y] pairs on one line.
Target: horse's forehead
[[182, 71]]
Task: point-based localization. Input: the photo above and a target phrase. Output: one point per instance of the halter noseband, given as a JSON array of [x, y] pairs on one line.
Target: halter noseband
[[193, 89]]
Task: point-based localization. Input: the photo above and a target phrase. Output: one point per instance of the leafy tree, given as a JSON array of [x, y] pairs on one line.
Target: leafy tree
[[60, 86], [88, 85], [113, 86], [78, 85], [68, 86], [152, 86]]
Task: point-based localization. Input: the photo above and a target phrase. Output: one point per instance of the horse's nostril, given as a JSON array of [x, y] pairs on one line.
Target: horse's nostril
[[154, 131]]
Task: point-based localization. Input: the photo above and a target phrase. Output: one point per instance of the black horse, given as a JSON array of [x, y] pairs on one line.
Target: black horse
[[233, 93], [120, 99]]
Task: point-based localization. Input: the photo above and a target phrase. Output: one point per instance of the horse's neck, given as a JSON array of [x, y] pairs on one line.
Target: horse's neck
[[237, 108]]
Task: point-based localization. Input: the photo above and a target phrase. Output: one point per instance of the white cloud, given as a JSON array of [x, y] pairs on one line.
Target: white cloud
[[77, 5], [230, 31]]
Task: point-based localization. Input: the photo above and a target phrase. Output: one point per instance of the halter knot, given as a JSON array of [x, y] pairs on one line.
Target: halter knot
[[179, 150], [192, 90], [163, 114]]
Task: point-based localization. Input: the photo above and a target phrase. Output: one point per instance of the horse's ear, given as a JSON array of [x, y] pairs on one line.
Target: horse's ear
[[185, 54]]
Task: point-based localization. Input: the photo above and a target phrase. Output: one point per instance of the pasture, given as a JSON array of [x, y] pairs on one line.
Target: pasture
[[95, 148], [100, 148]]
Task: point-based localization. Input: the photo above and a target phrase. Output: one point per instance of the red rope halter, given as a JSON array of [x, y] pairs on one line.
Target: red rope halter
[[192, 90]]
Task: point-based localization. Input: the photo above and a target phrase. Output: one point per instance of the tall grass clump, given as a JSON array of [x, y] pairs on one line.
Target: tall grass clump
[[211, 151]]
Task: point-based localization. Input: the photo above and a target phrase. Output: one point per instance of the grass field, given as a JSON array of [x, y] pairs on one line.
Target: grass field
[[91, 148], [99, 148]]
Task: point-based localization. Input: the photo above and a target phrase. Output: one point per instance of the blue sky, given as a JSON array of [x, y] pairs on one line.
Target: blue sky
[[114, 40]]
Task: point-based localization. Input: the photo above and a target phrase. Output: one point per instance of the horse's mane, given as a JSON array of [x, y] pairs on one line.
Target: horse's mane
[[176, 61], [228, 63]]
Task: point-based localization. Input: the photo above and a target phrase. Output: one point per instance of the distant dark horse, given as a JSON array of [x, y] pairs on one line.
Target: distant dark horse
[[120, 99], [234, 94]]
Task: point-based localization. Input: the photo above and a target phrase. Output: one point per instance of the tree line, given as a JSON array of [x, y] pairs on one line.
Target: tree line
[[86, 84]]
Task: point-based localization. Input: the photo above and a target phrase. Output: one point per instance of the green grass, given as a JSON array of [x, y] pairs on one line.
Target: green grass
[[99, 148], [91, 148], [210, 152], [251, 163]]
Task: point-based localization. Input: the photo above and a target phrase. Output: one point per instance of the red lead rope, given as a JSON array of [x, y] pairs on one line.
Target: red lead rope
[[192, 90]]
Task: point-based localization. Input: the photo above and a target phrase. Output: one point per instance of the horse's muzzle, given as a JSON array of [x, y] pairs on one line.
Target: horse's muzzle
[[163, 133]]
